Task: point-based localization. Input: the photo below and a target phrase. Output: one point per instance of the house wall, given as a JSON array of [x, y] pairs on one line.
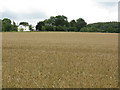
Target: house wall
[[24, 28]]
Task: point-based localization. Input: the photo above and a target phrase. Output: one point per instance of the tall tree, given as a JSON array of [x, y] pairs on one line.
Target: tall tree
[[50, 21], [14, 26], [6, 25], [80, 23], [30, 28], [72, 23], [0, 25], [111, 27], [24, 23], [39, 25], [61, 20]]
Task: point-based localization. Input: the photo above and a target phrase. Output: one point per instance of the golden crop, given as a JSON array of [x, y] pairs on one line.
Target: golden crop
[[60, 60], [0, 60]]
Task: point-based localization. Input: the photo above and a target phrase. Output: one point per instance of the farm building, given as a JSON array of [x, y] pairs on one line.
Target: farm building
[[23, 28]]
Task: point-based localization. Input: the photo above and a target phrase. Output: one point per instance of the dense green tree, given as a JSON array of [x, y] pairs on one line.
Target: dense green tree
[[24, 23], [61, 20], [60, 23], [90, 29], [30, 28], [72, 26], [72, 29], [39, 25], [72, 23], [6, 25], [0, 25], [80, 23], [48, 28], [47, 22], [14, 27], [61, 28], [109, 27], [50, 22]]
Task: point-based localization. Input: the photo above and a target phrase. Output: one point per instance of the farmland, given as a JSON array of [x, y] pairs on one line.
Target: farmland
[[60, 60], [0, 60]]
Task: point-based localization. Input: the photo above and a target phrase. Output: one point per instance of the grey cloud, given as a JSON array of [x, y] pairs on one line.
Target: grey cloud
[[119, 11], [8, 14], [19, 16], [106, 0], [108, 4]]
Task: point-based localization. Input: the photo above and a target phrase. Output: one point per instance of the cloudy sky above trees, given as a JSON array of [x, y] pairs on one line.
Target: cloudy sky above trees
[[34, 11]]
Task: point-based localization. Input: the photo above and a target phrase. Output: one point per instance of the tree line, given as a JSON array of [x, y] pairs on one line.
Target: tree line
[[7, 25], [107, 27], [61, 23]]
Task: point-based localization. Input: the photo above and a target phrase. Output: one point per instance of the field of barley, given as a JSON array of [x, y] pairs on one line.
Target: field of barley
[[0, 60], [59, 60]]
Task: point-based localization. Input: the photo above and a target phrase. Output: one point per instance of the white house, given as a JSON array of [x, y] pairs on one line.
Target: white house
[[23, 28], [34, 28]]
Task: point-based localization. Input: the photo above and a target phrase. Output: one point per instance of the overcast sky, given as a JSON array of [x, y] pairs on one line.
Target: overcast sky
[[34, 11]]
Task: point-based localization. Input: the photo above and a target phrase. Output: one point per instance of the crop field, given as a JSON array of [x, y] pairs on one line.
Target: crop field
[[0, 60], [59, 60]]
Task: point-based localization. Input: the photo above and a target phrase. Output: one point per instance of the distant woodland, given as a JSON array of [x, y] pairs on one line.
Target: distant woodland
[[61, 23]]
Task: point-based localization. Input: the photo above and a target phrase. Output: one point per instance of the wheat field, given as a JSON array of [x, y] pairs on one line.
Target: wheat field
[[0, 60], [59, 60]]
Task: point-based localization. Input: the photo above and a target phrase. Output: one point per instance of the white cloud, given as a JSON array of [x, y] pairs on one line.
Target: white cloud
[[107, 0], [90, 10]]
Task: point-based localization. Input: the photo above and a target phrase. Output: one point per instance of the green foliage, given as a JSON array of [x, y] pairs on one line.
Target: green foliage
[[24, 23], [30, 28], [72, 29], [110, 27], [43, 28], [7, 26], [0, 25], [21, 29], [39, 25], [48, 28], [72, 23], [14, 27], [60, 23], [80, 23], [89, 29], [61, 20], [61, 28], [50, 22]]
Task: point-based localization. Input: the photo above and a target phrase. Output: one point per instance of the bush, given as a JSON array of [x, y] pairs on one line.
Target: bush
[[61, 28], [90, 29], [72, 29], [48, 28], [110, 27]]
